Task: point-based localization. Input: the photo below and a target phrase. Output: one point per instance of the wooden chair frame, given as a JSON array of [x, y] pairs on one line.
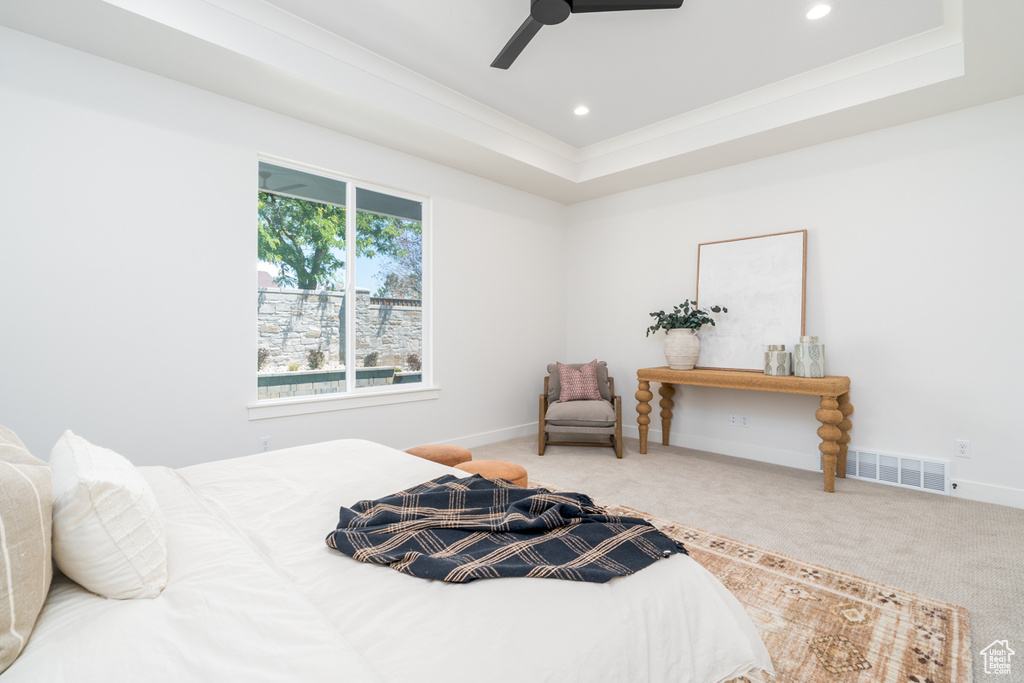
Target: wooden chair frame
[[614, 440]]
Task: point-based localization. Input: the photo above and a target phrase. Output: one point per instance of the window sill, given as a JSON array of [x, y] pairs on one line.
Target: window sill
[[308, 405]]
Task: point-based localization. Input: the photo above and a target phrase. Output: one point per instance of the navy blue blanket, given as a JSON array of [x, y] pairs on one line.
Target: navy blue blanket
[[460, 530]]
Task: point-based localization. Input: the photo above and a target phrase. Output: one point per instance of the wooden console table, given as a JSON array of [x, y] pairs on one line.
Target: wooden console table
[[833, 414]]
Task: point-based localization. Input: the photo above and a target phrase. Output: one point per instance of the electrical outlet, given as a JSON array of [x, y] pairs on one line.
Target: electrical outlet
[[744, 421], [734, 419], [963, 448], [264, 443]]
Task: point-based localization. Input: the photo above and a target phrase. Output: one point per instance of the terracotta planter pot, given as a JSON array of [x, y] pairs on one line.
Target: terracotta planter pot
[[682, 346]]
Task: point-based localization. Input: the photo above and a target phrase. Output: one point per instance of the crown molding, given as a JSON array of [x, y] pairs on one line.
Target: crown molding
[[270, 36], [256, 53]]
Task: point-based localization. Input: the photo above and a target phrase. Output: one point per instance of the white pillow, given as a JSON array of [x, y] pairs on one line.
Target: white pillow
[[108, 533]]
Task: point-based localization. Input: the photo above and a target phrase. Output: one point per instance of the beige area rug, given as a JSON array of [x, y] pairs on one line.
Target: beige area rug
[[820, 624]]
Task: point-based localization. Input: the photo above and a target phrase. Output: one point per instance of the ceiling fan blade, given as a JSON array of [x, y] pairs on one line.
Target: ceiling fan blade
[[579, 6], [276, 190], [516, 44]]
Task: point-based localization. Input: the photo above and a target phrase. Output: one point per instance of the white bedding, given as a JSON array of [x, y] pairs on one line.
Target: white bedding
[[225, 615], [254, 594]]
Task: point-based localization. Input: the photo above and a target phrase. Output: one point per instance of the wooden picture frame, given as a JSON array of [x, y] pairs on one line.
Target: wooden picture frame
[[762, 280]]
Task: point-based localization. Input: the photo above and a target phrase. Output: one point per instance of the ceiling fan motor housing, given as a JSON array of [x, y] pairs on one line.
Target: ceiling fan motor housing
[[550, 12]]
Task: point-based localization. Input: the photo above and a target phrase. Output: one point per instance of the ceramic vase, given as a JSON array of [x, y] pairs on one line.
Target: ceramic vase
[[777, 360], [809, 358], [682, 346]]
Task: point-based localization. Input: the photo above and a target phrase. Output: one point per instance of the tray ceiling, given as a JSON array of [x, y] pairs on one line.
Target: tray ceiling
[[670, 92]]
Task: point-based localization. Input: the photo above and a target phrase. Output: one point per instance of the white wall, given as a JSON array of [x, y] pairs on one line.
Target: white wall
[[915, 236], [125, 194], [128, 199]]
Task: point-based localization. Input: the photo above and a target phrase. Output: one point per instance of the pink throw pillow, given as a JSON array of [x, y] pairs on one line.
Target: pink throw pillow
[[578, 385]]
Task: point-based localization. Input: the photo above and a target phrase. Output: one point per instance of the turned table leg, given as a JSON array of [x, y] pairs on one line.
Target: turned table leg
[[643, 409], [666, 391], [829, 417], [846, 408]]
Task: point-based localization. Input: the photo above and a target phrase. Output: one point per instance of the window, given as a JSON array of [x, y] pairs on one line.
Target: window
[[340, 292]]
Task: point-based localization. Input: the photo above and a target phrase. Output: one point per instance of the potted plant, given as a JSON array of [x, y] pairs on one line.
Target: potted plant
[[682, 345]]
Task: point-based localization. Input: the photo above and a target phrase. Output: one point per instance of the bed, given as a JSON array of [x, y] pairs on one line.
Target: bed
[[254, 594]]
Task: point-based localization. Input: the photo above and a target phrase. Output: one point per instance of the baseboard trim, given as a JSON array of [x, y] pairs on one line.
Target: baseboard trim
[[970, 490], [774, 456], [484, 438], [988, 493]]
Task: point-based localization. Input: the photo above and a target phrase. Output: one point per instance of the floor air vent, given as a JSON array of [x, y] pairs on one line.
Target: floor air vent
[[913, 473]]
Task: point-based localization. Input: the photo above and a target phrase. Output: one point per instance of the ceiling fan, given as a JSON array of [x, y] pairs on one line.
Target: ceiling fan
[[550, 12]]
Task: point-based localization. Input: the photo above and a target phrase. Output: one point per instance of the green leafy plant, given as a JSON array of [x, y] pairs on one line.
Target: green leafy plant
[[306, 239], [293, 367], [414, 362], [685, 315], [315, 359], [371, 360], [262, 355]]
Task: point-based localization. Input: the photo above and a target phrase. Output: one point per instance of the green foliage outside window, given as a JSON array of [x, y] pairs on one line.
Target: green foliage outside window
[[306, 239]]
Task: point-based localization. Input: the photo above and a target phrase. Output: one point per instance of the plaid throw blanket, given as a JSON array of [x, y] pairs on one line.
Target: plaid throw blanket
[[459, 530]]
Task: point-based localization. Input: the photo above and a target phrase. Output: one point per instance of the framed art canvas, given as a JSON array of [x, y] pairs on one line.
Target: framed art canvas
[[762, 281]]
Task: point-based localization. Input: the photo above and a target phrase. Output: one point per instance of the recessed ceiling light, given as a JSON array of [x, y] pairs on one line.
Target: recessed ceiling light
[[819, 10], [581, 110]]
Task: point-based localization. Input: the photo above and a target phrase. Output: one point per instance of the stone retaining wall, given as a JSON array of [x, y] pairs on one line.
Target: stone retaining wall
[[316, 382], [292, 322]]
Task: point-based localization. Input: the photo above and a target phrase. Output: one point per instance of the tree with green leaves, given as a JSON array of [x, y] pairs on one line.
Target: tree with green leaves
[[304, 238], [401, 275], [307, 239]]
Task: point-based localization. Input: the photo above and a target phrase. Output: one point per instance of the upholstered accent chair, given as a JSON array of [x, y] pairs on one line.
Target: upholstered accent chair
[[568, 420]]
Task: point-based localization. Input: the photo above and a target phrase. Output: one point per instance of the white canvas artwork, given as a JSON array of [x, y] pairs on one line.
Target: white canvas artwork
[[761, 281]]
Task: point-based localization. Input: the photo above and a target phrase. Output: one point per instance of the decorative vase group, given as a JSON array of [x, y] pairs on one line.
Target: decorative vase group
[[682, 346]]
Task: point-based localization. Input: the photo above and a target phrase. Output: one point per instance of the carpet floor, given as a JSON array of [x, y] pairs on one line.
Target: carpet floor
[[949, 549]]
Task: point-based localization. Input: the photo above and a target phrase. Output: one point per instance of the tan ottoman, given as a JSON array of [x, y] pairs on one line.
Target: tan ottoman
[[442, 453], [496, 469]]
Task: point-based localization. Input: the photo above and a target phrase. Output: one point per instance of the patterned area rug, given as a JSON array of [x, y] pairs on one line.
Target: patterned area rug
[[823, 625]]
